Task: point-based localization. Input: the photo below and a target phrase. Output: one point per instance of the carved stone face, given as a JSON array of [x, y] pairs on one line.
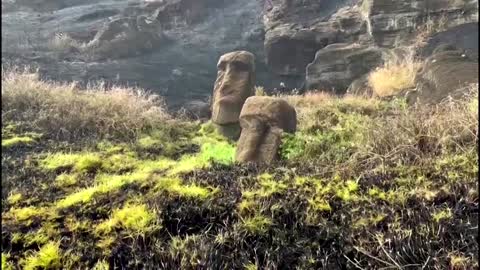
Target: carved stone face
[[263, 120], [235, 83]]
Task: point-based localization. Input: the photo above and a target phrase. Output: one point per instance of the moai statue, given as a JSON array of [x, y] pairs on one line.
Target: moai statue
[[263, 120], [235, 83]]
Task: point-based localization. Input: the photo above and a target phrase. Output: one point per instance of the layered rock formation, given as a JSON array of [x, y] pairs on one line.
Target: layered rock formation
[[445, 74], [336, 66], [176, 58], [170, 46], [300, 35]]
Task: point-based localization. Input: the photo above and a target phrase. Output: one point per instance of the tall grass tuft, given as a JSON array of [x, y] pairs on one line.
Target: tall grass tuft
[[397, 74]]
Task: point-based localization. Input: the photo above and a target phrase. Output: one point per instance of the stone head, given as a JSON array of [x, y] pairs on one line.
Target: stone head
[[263, 120], [235, 83]]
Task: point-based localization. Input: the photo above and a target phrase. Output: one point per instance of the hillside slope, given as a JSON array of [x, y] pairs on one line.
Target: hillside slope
[[108, 180]]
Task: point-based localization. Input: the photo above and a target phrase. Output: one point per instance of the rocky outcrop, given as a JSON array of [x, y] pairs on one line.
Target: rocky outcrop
[[447, 73], [235, 83], [263, 120], [296, 30], [180, 64], [392, 23], [125, 37], [176, 52], [336, 66], [464, 37]]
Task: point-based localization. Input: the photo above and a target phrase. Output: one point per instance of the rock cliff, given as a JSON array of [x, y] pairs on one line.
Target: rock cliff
[[171, 46]]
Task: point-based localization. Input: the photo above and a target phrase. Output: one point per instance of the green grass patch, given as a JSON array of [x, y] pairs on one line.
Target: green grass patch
[[14, 198], [81, 162], [175, 187], [16, 141], [105, 183], [257, 225], [6, 265], [48, 257], [66, 180], [136, 219]]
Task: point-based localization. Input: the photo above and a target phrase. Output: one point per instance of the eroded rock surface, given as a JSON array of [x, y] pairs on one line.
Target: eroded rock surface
[[392, 23], [191, 35], [464, 37], [447, 73], [175, 53], [336, 66], [263, 120]]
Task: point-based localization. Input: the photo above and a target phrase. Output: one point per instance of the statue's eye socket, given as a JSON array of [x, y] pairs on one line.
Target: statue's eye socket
[[221, 66], [239, 66]]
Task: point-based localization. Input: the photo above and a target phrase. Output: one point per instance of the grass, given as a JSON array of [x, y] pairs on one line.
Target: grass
[[361, 178], [64, 44], [257, 225], [5, 264], [260, 91], [48, 257], [14, 198], [84, 162], [16, 141], [175, 187], [105, 183], [66, 180], [66, 111], [27, 213], [397, 74], [136, 219]]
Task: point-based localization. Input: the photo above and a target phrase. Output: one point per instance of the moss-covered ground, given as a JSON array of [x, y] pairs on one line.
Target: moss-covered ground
[[363, 184]]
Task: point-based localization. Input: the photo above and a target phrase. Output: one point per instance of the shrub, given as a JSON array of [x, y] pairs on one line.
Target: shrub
[[64, 111], [397, 74], [64, 44]]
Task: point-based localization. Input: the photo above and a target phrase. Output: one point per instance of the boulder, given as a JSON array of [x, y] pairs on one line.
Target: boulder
[[125, 37], [263, 120], [234, 84], [447, 73], [336, 66]]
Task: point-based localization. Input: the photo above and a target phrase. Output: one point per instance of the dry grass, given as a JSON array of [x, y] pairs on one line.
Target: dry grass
[[260, 91], [64, 111], [397, 74], [385, 132], [429, 28], [420, 131], [64, 43], [308, 104]]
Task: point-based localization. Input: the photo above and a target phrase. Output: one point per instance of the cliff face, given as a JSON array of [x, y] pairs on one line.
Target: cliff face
[[298, 30], [175, 56], [172, 46]]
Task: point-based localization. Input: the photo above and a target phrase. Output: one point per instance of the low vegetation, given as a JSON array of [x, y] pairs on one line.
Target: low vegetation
[[64, 111], [111, 181], [397, 74]]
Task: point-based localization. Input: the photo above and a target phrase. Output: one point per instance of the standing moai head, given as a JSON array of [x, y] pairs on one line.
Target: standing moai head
[[235, 83]]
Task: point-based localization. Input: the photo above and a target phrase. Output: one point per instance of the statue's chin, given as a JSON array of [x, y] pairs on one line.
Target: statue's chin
[[225, 112]]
